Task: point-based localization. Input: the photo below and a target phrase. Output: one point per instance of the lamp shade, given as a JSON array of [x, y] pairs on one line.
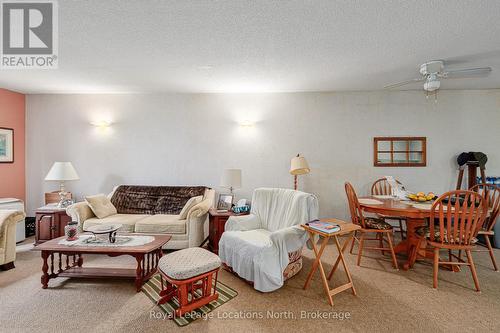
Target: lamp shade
[[299, 166], [62, 171], [231, 178]]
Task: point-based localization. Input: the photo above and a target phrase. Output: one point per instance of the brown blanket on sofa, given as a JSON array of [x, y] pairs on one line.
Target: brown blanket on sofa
[[134, 199]]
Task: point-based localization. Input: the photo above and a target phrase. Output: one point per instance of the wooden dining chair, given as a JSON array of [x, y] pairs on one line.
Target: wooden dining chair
[[382, 187], [491, 193], [369, 225], [458, 216]]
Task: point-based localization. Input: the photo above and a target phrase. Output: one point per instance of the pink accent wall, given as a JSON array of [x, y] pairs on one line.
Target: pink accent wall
[[12, 115]]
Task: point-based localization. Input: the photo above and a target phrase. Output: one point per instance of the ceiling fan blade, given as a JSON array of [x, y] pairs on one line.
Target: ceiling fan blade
[[466, 72], [482, 56], [395, 85]]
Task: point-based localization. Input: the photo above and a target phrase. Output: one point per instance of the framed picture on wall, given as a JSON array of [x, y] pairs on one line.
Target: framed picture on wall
[[225, 202], [6, 145]]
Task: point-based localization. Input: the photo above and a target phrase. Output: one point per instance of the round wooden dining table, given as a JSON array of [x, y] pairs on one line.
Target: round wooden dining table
[[415, 217]]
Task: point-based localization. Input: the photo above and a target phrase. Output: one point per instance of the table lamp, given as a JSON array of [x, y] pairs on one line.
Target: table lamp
[[298, 166], [62, 171], [231, 178]]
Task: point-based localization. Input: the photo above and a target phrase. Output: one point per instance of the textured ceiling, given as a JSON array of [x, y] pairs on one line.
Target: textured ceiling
[[263, 46]]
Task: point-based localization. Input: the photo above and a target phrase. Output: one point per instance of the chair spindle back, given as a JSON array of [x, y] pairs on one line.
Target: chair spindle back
[[382, 187], [354, 207], [460, 215], [491, 194]]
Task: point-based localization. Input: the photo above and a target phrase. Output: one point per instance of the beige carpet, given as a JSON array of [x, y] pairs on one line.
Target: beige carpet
[[388, 300]]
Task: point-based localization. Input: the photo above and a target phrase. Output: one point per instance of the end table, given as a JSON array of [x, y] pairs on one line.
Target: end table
[[345, 229], [49, 223]]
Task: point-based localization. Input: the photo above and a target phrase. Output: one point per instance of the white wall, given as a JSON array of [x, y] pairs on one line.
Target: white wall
[[178, 139]]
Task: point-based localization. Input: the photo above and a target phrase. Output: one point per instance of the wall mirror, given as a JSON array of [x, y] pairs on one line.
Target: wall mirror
[[399, 151]]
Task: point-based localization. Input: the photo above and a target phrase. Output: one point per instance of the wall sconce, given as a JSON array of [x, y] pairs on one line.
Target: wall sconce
[[101, 124], [247, 124], [246, 129]]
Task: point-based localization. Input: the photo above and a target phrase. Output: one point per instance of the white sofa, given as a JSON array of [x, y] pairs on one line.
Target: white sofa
[[8, 222], [18, 205], [189, 232]]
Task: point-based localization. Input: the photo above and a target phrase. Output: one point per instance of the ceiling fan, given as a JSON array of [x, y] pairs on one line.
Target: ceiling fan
[[433, 72]]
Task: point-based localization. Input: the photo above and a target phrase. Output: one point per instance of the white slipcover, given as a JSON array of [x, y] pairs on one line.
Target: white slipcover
[[256, 246]]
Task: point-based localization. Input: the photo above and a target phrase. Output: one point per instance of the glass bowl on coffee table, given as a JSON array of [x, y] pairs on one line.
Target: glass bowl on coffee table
[[109, 229]]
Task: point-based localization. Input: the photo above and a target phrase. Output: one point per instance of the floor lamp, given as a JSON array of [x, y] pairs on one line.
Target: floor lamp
[[298, 166]]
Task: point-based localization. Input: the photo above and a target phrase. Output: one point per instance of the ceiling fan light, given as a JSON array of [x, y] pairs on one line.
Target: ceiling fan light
[[432, 67], [432, 85]]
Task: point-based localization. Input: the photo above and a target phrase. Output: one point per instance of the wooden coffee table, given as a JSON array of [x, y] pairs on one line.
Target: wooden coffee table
[[70, 260]]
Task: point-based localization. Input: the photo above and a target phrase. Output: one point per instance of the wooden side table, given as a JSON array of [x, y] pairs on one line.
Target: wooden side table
[[50, 223], [216, 223], [345, 229]]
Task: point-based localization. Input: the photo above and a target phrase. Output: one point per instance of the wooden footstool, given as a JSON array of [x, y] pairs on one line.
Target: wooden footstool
[[189, 276]]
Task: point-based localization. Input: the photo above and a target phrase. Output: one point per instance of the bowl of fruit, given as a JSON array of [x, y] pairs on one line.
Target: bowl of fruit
[[421, 196]]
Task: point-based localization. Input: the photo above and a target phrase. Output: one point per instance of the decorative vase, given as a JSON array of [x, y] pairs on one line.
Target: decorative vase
[[71, 231]]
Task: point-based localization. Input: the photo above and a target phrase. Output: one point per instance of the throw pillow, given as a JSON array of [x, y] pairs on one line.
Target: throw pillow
[[190, 203], [200, 209], [101, 205]]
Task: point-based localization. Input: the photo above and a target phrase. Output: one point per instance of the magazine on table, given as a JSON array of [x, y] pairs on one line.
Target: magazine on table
[[325, 227]]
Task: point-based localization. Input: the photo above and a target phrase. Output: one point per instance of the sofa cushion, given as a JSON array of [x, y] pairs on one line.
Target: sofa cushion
[[189, 204], [133, 199], [127, 220], [199, 209], [100, 205], [161, 224]]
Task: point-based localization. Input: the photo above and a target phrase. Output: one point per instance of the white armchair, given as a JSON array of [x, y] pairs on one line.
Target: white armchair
[[261, 247], [8, 221]]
